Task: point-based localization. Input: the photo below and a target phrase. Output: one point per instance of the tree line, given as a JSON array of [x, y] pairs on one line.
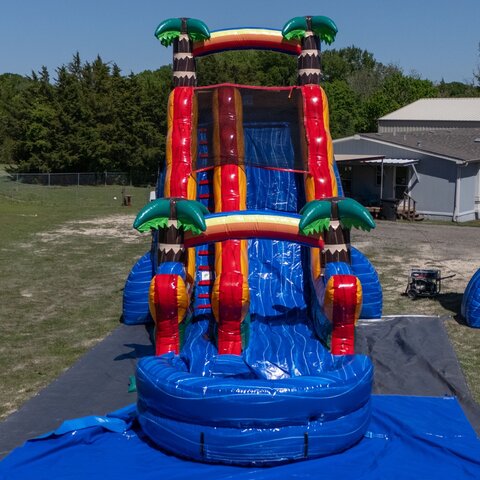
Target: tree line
[[89, 116]]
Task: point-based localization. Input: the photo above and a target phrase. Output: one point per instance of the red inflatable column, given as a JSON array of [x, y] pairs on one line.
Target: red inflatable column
[[169, 293], [343, 301], [230, 295]]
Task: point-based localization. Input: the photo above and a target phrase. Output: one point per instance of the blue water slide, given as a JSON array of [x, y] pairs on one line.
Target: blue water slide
[[471, 301], [286, 397], [372, 290], [135, 293]]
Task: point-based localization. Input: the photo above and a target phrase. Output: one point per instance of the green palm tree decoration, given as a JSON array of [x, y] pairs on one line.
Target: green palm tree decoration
[[182, 32], [310, 31], [336, 217], [172, 217]]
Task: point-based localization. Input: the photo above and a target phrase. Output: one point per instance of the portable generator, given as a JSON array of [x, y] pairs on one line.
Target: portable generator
[[424, 283]]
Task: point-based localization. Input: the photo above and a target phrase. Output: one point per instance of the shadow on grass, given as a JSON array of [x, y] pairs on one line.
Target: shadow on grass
[[452, 302]]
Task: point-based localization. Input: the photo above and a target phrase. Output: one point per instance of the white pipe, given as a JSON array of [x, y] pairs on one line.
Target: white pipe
[[381, 180], [456, 208]]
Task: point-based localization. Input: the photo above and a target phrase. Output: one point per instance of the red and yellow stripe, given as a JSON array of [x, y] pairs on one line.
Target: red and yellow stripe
[[244, 225], [320, 180], [342, 305], [168, 303], [230, 293], [181, 153], [246, 38]]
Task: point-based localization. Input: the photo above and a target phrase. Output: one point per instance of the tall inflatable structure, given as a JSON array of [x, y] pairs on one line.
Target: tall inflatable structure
[[251, 282]]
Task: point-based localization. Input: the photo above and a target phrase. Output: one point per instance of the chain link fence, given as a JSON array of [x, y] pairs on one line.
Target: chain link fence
[[71, 179], [92, 188]]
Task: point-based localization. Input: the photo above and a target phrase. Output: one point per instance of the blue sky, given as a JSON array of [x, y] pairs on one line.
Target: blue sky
[[435, 38]]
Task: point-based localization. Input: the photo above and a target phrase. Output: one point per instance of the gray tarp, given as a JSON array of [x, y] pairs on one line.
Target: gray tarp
[[412, 356]]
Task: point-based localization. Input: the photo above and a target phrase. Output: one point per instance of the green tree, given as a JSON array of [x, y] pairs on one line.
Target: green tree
[[345, 109], [13, 108], [457, 89], [91, 117], [248, 68], [476, 73]]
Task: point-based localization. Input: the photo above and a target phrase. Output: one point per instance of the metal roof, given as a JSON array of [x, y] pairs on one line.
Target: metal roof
[[439, 109], [459, 144]]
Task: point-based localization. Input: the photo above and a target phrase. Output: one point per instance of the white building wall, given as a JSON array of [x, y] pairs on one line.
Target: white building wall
[[468, 207]]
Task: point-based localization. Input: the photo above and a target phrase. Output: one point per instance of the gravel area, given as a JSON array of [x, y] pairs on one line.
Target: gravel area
[[396, 247]]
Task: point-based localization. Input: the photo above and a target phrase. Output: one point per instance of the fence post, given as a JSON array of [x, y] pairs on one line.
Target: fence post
[[48, 178], [78, 179]]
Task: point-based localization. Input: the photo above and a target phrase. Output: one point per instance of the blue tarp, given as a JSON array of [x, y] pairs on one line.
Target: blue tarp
[[408, 438]]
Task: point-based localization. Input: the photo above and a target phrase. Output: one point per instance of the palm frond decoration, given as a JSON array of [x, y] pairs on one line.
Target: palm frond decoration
[[172, 28], [189, 214], [353, 214], [321, 26], [316, 215]]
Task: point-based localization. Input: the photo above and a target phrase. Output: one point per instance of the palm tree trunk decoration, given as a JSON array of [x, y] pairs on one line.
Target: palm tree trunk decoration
[[337, 239], [310, 31], [309, 59], [335, 216], [169, 292], [182, 32], [172, 217], [170, 239]]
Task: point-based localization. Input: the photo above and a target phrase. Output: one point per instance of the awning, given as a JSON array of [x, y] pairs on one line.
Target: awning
[[340, 157], [373, 160], [402, 162], [378, 160]]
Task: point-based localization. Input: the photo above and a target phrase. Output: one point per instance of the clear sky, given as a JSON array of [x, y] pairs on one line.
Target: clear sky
[[435, 38]]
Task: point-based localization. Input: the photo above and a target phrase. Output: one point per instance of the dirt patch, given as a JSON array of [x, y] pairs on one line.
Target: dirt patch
[[118, 227], [396, 247]]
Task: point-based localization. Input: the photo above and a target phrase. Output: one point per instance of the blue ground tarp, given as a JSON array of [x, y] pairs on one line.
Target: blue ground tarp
[[408, 438]]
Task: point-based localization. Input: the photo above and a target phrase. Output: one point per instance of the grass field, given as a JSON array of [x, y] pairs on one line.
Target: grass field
[[65, 253]]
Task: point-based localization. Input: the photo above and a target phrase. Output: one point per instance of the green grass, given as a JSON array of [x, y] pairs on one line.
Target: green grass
[[63, 270], [466, 342]]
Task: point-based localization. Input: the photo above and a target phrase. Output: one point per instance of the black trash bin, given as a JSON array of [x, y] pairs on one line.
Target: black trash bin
[[388, 209]]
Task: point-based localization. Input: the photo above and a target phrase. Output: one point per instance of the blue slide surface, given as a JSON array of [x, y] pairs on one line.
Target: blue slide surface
[[135, 293], [471, 301], [372, 290]]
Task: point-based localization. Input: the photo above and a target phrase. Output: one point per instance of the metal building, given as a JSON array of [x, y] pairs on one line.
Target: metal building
[[426, 154]]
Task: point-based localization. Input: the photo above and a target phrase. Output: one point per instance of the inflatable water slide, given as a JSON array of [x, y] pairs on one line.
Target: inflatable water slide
[[251, 271]]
